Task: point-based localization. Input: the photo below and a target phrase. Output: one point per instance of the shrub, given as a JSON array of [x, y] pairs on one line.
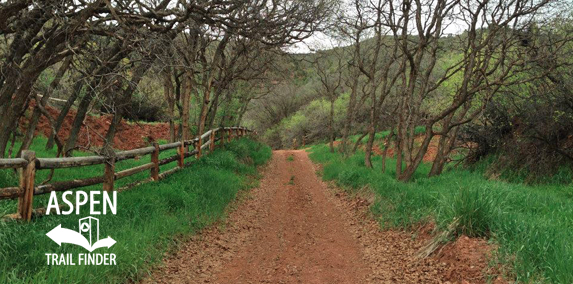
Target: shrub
[[472, 209]]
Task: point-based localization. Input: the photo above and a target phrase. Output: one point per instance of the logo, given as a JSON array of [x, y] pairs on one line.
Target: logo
[[88, 234], [87, 226]]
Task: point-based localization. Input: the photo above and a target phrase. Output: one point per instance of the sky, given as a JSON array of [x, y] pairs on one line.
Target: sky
[[321, 41], [453, 25]]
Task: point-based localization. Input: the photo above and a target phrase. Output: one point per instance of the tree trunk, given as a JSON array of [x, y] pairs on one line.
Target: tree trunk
[[213, 108], [10, 119], [29, 137], [79, 120], [204, 108], [176, 78], [413, 166], [386, 147], [78, 86], [125, 97], [368, 150], [358, 141], [241, 114], [444, 149], [208, 81], [111, 131], [400, 132], [440, 159], [185, 97], [371, 130], [349, 119], [113, 57], [169, 97], [398, 153], [331, 124]]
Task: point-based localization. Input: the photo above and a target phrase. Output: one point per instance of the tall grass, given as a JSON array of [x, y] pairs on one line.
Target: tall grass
[[9, 177], [533, 225], [151, 220]]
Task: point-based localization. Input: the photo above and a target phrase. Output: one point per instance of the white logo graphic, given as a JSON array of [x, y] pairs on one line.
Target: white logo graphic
[[86, 228]]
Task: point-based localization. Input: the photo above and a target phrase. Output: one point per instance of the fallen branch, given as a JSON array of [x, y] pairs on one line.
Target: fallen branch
[[438, 240]]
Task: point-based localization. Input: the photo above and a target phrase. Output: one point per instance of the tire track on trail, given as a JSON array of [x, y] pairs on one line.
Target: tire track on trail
[[294, 229]]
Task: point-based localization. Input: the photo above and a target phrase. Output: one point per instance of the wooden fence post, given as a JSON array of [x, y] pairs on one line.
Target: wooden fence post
[[195, 148], [222, 136], [27, 176], [229, 135], [109, 174], [198, 147], [212, 139], [155, 161], [181, 150]]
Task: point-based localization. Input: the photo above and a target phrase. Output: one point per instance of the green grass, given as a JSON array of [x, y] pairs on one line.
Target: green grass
[[10, 178], [151, 219], [492, 166], [533, 225]]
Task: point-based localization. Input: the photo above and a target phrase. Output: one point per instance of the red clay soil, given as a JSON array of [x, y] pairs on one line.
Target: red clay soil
[[93, 130], [294, 228], [428, 157]]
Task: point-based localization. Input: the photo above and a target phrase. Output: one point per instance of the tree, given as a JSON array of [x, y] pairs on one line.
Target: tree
[[329, 68], [115, 43], [490, 59]]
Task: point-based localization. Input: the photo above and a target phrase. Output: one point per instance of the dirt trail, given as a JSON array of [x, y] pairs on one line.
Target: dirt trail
[[294, 229]]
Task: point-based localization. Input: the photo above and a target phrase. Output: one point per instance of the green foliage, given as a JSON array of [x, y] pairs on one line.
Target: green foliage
[[144, 107], [311, 121], [9, 206], [532, 224], [474, 210], [151, 219]]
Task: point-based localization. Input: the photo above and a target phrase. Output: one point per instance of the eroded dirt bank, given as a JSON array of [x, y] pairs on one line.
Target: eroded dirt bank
[[294, 229]]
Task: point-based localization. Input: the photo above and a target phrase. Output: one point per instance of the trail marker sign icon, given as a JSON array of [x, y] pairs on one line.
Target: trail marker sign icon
[[87, 237], [89, 228]]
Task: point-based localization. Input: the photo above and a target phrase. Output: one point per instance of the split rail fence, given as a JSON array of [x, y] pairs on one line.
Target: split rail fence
[[28, 164]]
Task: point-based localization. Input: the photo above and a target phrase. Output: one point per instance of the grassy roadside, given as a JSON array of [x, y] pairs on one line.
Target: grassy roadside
[[9, 177], [151, 219], [533, 225]]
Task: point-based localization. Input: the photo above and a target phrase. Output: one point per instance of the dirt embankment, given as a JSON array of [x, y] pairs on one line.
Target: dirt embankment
[[378, 148], [129, 135], [428, 157], [293, 228]]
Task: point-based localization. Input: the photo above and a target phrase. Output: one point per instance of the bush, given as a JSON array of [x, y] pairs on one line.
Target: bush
[[529, 134], [143, 107], [472, 209]]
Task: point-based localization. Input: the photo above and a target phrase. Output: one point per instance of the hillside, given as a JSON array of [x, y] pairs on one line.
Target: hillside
[[130, 135]]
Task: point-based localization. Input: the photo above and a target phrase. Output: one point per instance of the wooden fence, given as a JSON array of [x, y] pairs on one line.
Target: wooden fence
[[28, 164]]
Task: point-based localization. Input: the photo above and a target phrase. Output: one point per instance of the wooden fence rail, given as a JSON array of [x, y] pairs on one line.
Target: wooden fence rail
[[28, 164]]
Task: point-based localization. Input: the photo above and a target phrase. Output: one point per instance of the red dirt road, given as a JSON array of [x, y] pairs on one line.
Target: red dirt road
[[293, 228]]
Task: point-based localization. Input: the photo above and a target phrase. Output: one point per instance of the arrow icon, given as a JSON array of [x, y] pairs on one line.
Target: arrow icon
[[107, 242], [62, 235]]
